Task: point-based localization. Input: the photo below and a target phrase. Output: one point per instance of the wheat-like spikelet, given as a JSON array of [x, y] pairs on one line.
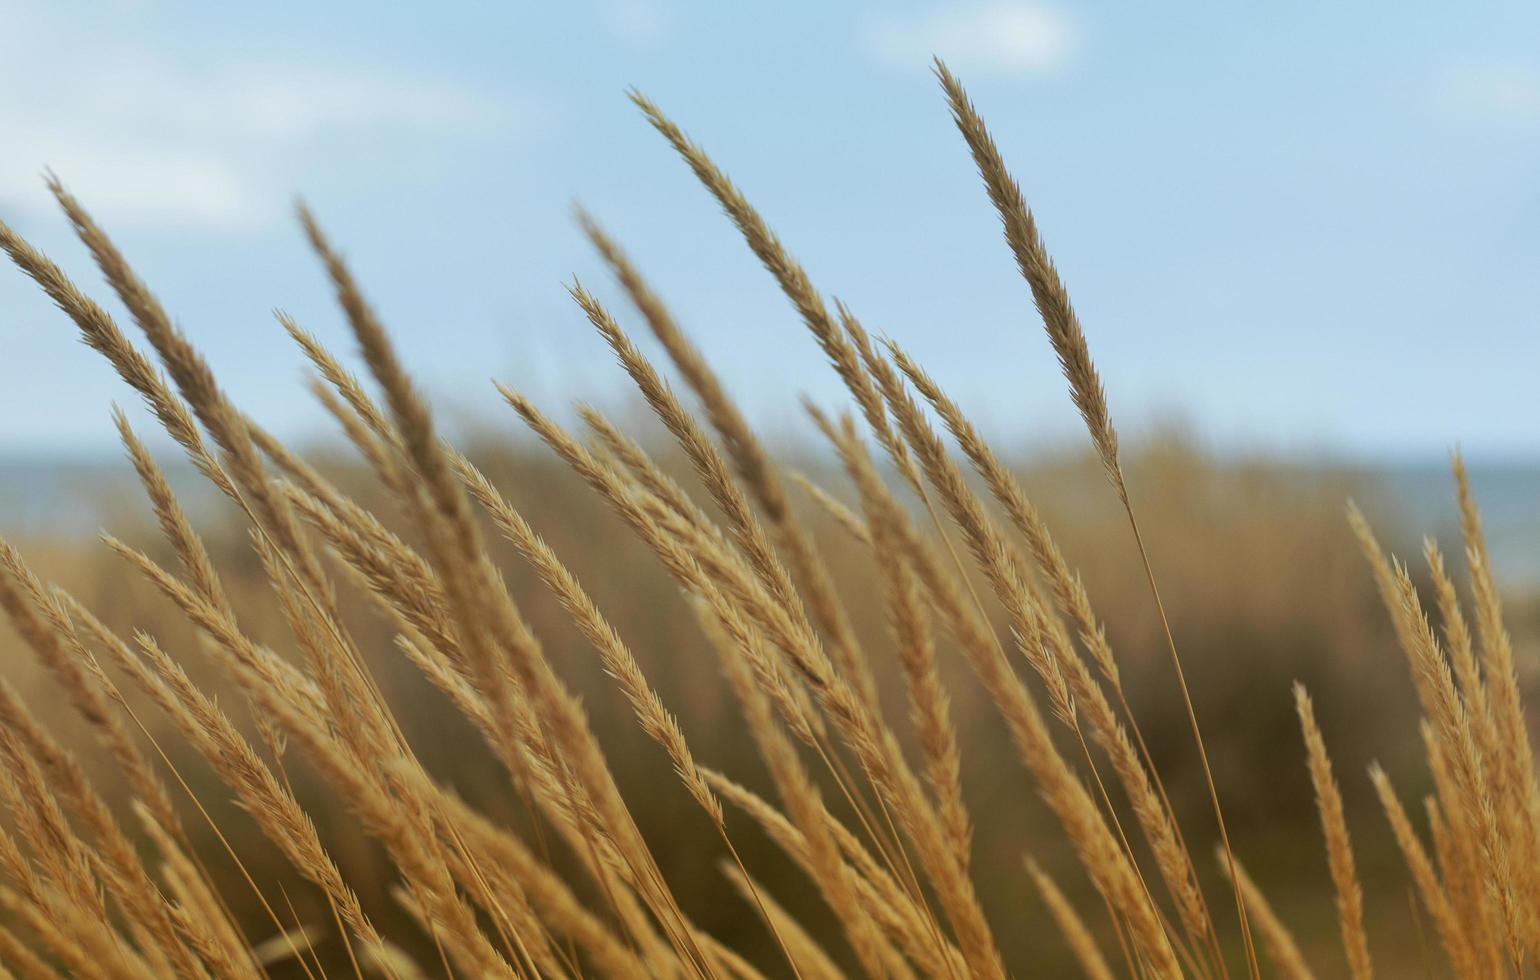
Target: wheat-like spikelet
[[392, 961], [342, 680], [116, 860], [876, 749], [713, 470], [1134, 768], [796, 788], [103, 335], [1462, 654], [929, 704], [42, 623], [342, 380], [198, 911], [791, 277], [1513, 768], [1445, 711], [65, 861], [274, 807], [1339, 848], [562, 908], [899, 913], [1104, 859], [791, 701], [750, 459], [1457, 844], [174, 523], [655, 719], [391, 570], [1434, 898], [993, 554], [1045, 648], [831, 505], [1048, 291], [196, 383], [1069, 343], [1038, 634], [1068, 591], [477, 597], [747, 645], [85, 947]]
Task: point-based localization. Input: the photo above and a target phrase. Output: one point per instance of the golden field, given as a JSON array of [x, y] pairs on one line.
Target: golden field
[[396, 710]]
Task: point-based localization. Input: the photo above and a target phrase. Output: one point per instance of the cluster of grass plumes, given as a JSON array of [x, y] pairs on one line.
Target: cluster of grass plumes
[[884, 835]]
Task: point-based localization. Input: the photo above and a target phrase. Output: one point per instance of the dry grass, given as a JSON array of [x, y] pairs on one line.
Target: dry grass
[[558, 876]]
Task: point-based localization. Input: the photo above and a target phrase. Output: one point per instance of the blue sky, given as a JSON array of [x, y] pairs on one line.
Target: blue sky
[[1306, 226]]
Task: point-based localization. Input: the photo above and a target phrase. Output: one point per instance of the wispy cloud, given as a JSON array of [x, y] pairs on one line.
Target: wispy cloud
[[1005, 37], [215, 143], [1498, 91], [641, 25]]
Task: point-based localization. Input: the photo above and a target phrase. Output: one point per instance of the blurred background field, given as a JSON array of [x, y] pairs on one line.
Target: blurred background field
[[1262, 580]]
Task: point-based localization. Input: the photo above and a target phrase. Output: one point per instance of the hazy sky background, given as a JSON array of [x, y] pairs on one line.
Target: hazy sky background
[[1298, 226]]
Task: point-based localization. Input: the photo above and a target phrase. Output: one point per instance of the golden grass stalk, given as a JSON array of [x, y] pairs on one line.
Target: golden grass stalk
[[40, 621], [1080, 940], [1104, 859], [1339, 847], [1457, 845], [795, 786], [645, 517], [102, 334], [812, 963], [996, 557], [841, 514], [929, 704], [479, 601], [1044, 645], [1513, 767], [1451, 723], [66, 861], [21, 960], [1434, 898], [115, 858], [1462, 654], [655, 719], [750, 459], [748, 654], [273, 807], [896, 911], [868, 738], [746, 529], [560, 906], [196, 383], [1280, 942], [860, 723], [200, 914], [1132, 764], [1069, 343], [791, 277]]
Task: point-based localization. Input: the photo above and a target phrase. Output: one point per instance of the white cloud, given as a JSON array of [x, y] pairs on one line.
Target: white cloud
[[1503, 92], [160, 139], [1005, 37], [638, 24]]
